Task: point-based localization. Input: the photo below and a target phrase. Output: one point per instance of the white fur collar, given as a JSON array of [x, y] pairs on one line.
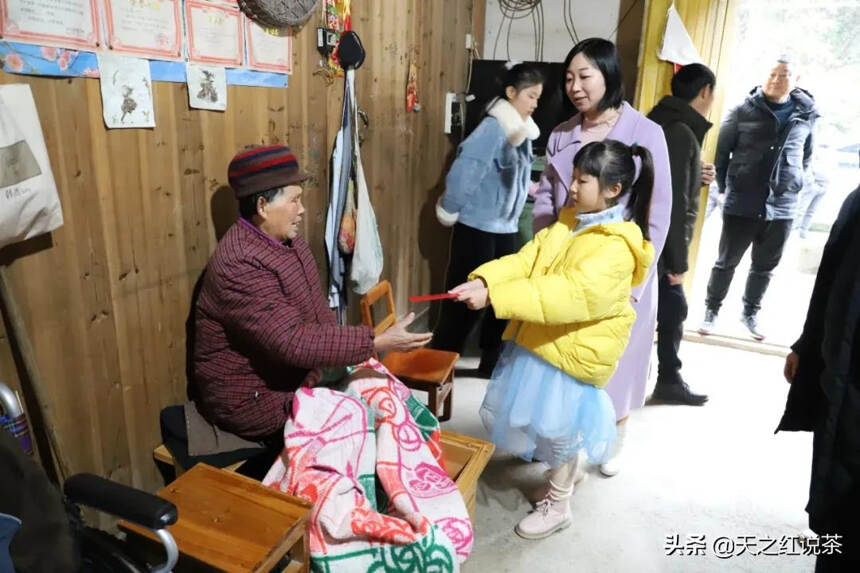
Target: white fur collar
[[515, 127]]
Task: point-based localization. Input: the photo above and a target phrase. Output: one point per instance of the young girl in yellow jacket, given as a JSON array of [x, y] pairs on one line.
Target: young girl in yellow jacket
[[567, 295]]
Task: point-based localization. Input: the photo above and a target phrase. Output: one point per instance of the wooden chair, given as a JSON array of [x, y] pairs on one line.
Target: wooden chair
[[424, 369]]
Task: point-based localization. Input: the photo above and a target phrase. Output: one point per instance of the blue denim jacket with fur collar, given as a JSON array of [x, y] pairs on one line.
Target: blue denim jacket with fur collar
[[487, 185]]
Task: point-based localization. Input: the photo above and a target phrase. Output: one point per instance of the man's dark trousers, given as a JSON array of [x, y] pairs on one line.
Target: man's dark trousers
[[768, 240], [671, 313]]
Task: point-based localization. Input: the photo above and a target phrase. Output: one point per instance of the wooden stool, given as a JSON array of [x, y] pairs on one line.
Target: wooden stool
[[233, 523], [424, 369], [213, 504], [464, 457]]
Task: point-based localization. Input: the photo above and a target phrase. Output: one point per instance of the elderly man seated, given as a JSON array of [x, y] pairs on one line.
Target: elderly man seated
[[263, 327]]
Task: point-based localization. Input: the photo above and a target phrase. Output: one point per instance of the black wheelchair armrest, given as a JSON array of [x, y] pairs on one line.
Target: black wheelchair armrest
[[134, 505]]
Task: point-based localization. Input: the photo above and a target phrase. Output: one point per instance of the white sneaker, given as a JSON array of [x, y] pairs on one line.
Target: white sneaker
[[547, 518], [611, 467]]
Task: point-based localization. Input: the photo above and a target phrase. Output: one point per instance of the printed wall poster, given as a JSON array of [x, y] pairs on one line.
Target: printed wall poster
[[57, 23], [269, 49], [214, 33], [126, 91], [147, 28], [207, 87]]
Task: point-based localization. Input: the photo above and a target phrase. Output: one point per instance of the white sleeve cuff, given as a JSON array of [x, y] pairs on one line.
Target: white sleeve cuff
[[446, 218]]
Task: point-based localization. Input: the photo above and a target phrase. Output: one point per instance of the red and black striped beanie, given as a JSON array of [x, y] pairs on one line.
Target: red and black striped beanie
[[262, 167]]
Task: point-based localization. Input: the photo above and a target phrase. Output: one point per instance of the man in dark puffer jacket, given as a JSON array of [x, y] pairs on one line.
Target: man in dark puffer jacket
[[764, 147]]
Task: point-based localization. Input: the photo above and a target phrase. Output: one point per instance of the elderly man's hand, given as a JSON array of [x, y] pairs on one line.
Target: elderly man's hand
[[399, 339]]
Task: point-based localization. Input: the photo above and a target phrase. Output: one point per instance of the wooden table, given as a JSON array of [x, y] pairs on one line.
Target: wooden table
[[233, 523]]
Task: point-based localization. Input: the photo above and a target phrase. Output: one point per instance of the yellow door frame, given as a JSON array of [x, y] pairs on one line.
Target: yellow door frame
[[711, 25]]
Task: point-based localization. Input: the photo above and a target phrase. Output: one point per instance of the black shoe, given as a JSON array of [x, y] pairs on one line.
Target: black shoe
[[677, 393]]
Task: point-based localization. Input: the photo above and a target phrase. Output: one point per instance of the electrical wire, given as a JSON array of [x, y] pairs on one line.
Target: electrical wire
[[542, 28], [517, 10], [535, 34], [566, 23], [569, 15], [508, 38]]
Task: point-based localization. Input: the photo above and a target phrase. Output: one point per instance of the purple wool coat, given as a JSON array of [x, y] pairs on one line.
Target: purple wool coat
[[628, 383]]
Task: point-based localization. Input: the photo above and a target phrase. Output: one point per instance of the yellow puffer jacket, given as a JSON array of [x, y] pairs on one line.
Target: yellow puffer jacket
[[568, 296]]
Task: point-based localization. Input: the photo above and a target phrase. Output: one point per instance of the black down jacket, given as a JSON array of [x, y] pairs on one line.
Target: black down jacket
[[759, 165], [684, 129]]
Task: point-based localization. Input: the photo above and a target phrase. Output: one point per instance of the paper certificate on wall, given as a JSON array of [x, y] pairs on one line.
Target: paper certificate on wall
[[214, 33], [148, 28], [126, 91], [60, 23], [207, 87], [269, 49]]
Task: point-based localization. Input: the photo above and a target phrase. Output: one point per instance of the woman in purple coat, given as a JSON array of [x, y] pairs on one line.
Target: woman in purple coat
[[594, 85]]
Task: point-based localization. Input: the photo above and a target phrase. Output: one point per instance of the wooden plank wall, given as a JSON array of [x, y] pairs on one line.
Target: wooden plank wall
[[105, 298], [711, 25]]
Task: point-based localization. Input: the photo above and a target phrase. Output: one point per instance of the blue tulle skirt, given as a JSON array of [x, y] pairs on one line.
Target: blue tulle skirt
[[537, 412]]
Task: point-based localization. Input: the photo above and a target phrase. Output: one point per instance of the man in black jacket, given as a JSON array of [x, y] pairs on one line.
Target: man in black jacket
[[682, 117], [824, 371], [764, 147]]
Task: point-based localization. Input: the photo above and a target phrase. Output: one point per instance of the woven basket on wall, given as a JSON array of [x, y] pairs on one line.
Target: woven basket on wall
[[279, 13]]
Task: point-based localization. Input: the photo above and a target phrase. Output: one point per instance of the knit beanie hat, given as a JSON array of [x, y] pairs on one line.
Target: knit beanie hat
[[260, 168]]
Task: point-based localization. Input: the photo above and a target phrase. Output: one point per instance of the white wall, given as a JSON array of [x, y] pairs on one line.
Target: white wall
[[591, 17]]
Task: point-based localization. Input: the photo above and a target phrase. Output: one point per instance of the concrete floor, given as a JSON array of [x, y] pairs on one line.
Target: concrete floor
[[715, 471], [790, 287]]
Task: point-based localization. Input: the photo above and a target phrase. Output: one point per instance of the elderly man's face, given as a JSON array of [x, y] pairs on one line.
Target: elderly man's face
[[779, 82], [282, 215]]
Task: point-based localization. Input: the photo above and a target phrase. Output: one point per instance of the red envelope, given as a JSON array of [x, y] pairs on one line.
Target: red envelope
[[426, 297]]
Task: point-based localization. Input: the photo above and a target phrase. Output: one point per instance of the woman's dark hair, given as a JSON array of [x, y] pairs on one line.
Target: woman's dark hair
[[612, 162], [604, 56], [690, 79], [248, 205], [520, 77]]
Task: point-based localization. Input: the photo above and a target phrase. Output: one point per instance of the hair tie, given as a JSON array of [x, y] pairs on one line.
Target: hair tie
[[510, 64]]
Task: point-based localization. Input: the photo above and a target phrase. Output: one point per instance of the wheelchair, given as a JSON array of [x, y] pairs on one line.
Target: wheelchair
[[41, 530]]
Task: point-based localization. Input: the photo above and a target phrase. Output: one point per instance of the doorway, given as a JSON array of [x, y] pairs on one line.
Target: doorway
[[820, 40]]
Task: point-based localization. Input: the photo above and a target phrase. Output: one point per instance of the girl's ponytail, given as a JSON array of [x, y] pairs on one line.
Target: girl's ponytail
[[612, 162], [639, 204]]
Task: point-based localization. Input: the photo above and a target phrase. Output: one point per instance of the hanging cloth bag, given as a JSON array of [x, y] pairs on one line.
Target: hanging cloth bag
[[29, 204]]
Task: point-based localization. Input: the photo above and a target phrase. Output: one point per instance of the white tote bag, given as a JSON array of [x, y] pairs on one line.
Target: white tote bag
[[367, 257], [29, 204]]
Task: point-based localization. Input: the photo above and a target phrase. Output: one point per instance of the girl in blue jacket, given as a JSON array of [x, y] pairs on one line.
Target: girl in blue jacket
[[485, 191]]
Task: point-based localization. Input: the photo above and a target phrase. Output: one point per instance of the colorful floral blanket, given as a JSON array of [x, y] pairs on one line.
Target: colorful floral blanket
[[370, 460]]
